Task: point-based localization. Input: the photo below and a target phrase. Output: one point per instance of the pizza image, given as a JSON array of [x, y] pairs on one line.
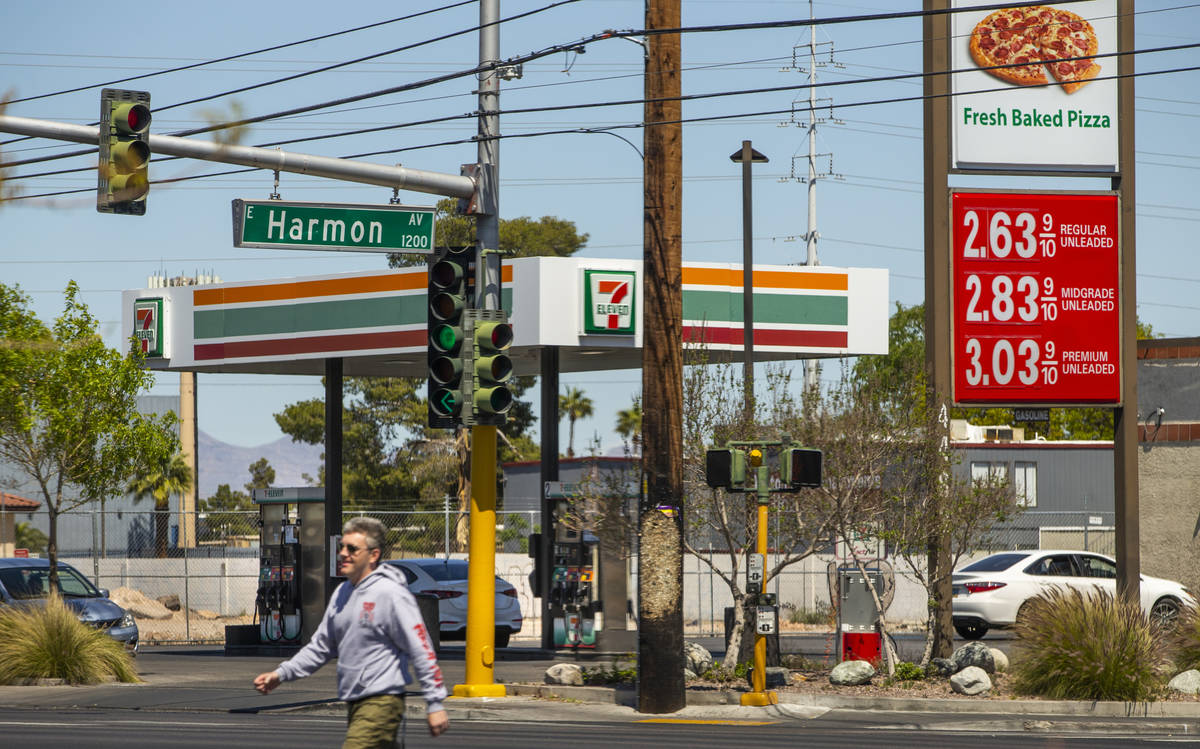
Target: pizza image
[[1024, 41]]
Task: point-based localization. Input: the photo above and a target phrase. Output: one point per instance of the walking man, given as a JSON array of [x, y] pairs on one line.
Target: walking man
[[374, 628]]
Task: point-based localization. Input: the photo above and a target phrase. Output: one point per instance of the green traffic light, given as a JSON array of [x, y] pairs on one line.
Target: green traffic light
[[445, 402], [446, 337]]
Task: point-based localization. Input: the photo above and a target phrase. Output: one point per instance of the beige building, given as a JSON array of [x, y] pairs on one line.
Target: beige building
[[1169, 458], [12, 507]]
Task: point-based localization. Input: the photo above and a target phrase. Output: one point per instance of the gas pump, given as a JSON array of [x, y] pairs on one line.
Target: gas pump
[[572, 588], [289, 600], [279, 574]]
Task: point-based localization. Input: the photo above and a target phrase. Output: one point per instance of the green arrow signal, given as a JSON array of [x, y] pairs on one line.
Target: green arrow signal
[[445, 402]]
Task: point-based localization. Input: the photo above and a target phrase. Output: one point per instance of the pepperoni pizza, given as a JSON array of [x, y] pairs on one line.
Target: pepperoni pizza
[[1014, 44]]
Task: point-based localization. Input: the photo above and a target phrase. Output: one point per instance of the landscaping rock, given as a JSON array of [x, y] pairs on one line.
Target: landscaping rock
[[136, 603], [1187, 682], [851, 673], [942, 668], [776, 676], [697, 658], [171, 602], [1000, 659], [565, 673], [689, 675], [974, 654], [970, 681]]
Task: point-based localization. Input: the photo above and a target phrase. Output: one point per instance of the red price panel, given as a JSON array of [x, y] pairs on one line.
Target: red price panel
[[1036, 299]]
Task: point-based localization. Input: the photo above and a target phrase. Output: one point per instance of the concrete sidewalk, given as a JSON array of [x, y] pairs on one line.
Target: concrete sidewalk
[[205, 680]]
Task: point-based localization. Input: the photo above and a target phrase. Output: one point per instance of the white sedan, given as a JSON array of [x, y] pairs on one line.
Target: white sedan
[[989, 593], [447, 579]]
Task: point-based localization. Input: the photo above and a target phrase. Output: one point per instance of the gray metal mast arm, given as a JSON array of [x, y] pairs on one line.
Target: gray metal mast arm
[[448, 185]]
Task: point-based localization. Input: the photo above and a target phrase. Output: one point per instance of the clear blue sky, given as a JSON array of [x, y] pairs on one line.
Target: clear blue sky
[[872, 217]]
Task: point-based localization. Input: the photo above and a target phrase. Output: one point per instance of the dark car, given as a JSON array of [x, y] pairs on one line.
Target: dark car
[[25, 581]]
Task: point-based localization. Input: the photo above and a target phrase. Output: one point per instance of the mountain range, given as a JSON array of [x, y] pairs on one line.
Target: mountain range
[[223, 463]]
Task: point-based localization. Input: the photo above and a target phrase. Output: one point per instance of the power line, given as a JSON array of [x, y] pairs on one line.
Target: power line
[[242, 54], [630, 102], [554, 49]]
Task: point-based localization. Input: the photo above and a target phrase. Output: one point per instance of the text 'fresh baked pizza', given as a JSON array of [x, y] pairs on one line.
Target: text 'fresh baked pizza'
[[1033, 37]]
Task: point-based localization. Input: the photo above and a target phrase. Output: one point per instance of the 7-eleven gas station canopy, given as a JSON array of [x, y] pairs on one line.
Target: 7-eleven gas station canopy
[[591, 309]]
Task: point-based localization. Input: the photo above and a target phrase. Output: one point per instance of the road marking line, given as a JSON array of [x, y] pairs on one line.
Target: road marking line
[[709, 722]]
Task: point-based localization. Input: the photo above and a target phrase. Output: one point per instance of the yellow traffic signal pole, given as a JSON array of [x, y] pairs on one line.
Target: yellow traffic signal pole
[[481, 570], [760, 697]]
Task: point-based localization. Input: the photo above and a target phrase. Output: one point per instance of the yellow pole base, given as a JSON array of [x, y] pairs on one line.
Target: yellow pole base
[[479, 690], [754, 699]]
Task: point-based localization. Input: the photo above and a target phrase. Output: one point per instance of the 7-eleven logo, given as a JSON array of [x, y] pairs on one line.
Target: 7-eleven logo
[[609, 297], [147, 325]]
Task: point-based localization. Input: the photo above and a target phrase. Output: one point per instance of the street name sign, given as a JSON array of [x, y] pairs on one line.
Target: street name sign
[[355, 227], [1036, 298]]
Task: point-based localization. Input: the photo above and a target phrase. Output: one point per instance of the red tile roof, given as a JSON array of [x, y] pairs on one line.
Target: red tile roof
[[13, 502]]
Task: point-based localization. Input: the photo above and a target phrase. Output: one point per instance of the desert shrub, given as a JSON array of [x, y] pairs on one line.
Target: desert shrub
[[906, 671], [1185, 639], [612, 673], [49, 642], [1087, 647], [799, 662], [822, 614]]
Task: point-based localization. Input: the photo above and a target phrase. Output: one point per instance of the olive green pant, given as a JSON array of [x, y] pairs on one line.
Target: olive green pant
[[373, 722]]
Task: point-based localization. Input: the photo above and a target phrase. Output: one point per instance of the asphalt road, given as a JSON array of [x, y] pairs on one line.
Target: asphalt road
[[99, 729]]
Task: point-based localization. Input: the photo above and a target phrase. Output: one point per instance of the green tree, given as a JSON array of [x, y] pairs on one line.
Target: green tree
[[229, 513], [629, 424], [31, 538], [519, 237], [900, 378], [574, 406], [160, 482], [262, 475], [376, 413], [68, 409]]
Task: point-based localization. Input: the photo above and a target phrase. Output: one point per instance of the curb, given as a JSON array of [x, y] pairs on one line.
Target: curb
[[698, 698]]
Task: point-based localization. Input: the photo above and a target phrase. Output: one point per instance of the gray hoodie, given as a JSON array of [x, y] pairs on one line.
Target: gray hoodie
[[373, 629]]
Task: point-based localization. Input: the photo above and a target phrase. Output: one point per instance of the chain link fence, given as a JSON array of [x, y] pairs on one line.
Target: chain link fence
[[185, 577], [207, 574]]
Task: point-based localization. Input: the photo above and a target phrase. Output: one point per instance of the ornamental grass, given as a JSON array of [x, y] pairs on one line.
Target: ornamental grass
[[49, 642], [1185, 639], [1077, 646]]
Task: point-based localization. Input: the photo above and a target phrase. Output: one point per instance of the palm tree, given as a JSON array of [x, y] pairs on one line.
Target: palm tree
[[629, 424], [172, 477], [574, 405]]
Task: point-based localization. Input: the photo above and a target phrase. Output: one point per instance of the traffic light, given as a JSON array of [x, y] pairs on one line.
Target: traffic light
[[800, 467], [449, 293], [488, 367], [725, 468], [123, 179]]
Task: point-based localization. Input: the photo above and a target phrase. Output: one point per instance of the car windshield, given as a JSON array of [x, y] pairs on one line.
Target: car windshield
[[994, 563], [450, 569], [34, 582]]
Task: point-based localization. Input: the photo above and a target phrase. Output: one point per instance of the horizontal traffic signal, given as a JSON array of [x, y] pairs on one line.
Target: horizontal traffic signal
[[800, 467], [725, 468]]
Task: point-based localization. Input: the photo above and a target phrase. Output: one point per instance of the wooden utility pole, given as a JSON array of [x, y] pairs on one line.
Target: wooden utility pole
[[660, 527], [937, 282]]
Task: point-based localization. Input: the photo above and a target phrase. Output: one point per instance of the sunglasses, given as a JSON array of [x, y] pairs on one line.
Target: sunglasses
[[351, 548]]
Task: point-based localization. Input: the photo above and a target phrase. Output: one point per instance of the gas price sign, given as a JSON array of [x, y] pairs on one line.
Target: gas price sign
[[1036, 298]]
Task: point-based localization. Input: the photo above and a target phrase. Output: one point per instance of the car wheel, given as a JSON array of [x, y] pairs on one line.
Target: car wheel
[[971, 631], [1165, 612], [502, 635]]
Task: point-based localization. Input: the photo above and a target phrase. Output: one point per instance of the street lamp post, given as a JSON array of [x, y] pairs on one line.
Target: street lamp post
[[747, 156]]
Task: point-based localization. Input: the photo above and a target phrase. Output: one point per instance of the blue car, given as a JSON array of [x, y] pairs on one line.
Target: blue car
[[26, 580]]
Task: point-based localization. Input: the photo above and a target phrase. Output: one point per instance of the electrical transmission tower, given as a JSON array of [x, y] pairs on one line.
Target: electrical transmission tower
[[817, 111]]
